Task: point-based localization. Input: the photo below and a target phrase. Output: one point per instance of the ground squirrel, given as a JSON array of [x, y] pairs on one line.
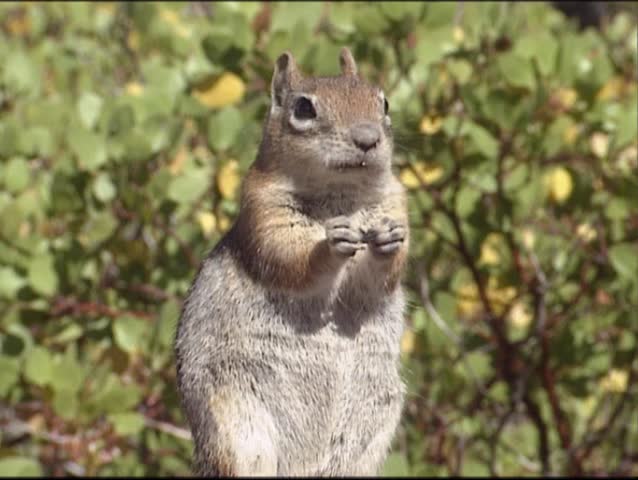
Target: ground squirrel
[[287, 347]]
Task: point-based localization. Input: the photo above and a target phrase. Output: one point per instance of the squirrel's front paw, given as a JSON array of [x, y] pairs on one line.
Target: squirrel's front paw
[[342, 237], [386, 238]]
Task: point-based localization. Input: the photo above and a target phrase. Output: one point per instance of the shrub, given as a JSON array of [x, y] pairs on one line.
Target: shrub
[[125, 130]]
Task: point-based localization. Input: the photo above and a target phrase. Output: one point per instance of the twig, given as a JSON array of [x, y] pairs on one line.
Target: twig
[[534, 414], [168, 428], [548, 380], [70, 306]]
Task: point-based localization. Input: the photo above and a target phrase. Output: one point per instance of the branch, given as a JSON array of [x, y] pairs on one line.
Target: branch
[[534, 414], [70, 306], [168, 428]]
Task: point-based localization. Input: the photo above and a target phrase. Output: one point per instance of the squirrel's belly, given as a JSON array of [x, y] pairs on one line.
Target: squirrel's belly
[[329, 378], [331, 393]]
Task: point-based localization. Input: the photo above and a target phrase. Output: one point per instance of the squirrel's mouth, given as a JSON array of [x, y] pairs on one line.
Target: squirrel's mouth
[[351, 165]]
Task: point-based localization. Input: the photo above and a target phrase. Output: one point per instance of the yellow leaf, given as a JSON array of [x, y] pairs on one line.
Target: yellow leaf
[[444, 76], [19, 25], [558, 184], [226, 90], [426, 173], [467, 300], [520, 315], [599, 144], [528, 238], [37, 422], [586, 232], [499, 297], [207, 222], [133, 40], [25, 229], [134, 88], [628, 159], [490, 247], [586, 405], [171, 17], [408, 341], [613, 89], [570, 134], [430, 124], [615, 381], [223, 222], [566, 97], [107, 7], [177, 164], [469, 304], [228, 179]]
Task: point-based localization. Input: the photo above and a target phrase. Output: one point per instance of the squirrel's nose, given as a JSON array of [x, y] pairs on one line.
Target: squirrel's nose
[[365, 135]]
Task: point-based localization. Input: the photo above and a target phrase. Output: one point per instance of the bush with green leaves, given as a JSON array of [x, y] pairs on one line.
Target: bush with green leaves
[[125, 130]]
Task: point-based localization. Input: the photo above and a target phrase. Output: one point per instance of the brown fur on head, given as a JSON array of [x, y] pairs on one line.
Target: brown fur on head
[[326, 129]]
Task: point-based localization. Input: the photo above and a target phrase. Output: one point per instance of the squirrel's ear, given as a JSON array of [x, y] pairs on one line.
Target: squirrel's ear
[[346, 60], [285, 75]]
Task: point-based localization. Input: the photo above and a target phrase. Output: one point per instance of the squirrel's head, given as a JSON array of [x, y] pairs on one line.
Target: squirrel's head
[[336, 126]]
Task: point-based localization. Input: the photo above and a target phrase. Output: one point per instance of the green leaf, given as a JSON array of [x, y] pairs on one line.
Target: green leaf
[[223, 128], [37, 141], [65, 402], [627, 127], [342, 16], [42, 275], [483, 140], [137, 147], [369, 20], [70, 333], [400, 11], [67, 373], [112, 396], [9, 374], [168, 316], [516, 178], [287, 15], [16, 175], [542, 47], [103, 188], [21, 74], [97, 228], [396, 465], [461, 70], [129, 333], [624, 259], [433, 44], [516, 70], [439, 14], [89, 148], [122, 119], [89, 108], [14, 466], [467, 200], [38, 367], [127, 423], [10, 282], [188, 187]]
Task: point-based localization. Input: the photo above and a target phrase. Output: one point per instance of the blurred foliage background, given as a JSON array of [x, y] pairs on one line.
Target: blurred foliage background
[[125, 129]]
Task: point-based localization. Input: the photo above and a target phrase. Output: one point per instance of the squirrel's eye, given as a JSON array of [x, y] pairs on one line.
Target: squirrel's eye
[[386, 106], [304, 109]]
